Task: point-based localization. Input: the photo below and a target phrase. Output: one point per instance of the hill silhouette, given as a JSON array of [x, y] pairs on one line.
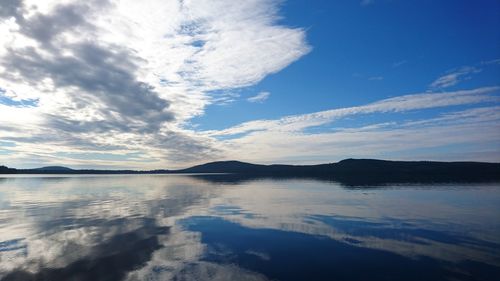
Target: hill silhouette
[[348, 170], [226, 167], [54, 169]]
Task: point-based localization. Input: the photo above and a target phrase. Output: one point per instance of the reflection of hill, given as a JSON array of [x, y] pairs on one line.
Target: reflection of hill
[[348, 172], [346, 181], [76, 227]]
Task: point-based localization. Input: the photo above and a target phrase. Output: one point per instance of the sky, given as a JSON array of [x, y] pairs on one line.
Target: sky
[[173, 83]]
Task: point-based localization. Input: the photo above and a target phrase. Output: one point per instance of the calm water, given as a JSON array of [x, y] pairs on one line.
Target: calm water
[[169, 227]]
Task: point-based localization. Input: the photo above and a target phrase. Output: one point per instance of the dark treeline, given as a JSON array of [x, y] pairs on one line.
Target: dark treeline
[[350, 171], [6, 170], [356, 171]]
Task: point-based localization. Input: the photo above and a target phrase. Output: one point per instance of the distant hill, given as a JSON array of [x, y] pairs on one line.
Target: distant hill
[[357, 170], [224, 167], [348, 170], [54, 168], [6, 170]]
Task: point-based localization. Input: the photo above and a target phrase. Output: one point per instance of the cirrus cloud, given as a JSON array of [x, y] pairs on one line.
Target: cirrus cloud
[[260, 97]]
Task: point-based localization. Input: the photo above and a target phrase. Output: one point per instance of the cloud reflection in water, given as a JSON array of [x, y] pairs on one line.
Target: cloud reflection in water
[[153, 227]]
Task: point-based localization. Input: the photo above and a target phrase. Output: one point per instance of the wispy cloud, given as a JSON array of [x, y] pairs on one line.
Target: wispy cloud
[[403, 103], [453, 77], [491, 62], [116, 83], [290, 139], [376, 78], [399, 63], [392, 140], [129, 75], [260, 97], [225, 98]]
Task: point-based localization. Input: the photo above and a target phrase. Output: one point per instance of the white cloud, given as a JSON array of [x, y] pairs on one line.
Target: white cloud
[[122, 79], [398, 104], [260, 97], [386, 140], [453, 77], [129, 75], [290, 140]]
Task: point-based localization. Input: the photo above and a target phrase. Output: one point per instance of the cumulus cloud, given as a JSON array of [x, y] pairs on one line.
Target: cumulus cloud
[[260, 97], [116, 83], [129, 75]]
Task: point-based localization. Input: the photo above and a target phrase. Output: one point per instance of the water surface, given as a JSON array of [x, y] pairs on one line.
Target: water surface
[[172, 227]]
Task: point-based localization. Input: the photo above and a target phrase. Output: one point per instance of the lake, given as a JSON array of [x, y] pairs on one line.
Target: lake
[[203, 227]]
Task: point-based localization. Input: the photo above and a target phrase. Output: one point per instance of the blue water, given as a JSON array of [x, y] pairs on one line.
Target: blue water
[[172, 227]]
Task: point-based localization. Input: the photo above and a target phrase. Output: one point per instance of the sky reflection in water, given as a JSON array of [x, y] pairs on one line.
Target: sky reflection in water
[[154, 227]]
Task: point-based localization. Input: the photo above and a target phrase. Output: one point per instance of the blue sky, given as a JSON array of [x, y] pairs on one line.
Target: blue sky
[[365, 53], [164, 84]]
